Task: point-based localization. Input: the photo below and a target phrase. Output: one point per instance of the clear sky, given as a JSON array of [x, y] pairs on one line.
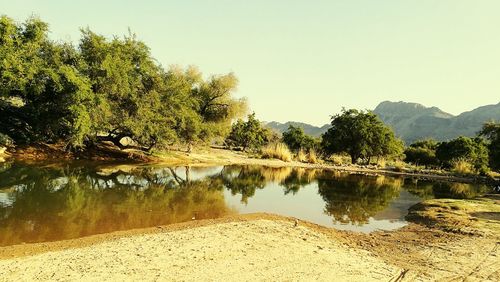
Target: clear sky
[[305, 60]]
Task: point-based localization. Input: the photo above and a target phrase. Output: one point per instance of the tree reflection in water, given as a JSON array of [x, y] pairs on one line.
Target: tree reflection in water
[[54, 202]]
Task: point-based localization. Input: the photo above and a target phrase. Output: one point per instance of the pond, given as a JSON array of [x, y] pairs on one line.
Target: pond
[[49, 202]]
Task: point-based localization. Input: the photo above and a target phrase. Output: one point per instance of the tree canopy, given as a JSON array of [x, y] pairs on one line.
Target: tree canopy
[[105, 89], [360, 134], [473, 150], [422, 153], [295, 138], [249, 134]]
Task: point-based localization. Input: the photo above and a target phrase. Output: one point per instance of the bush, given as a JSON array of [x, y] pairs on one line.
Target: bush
[[277, 151], [462, 167]]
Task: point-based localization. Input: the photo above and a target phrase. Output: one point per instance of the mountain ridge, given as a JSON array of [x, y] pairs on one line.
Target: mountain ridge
[[414, 121]]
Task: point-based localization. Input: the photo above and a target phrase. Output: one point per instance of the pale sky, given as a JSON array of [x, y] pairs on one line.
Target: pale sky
[[305, 60]]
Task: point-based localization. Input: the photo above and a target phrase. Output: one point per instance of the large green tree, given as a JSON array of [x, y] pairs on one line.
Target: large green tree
[[249, 134], [360, 134], [105, 90], [43, 95]]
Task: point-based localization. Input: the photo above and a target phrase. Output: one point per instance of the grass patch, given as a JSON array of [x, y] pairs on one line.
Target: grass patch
[[301, 156], [312, 157], [277, 151], [462, 167]]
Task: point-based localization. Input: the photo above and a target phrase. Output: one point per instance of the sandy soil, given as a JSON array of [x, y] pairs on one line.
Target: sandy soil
[[246, 251], [258, 247]]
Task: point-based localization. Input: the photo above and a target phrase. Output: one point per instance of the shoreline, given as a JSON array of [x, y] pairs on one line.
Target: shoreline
[[217, 156], [258, 246]]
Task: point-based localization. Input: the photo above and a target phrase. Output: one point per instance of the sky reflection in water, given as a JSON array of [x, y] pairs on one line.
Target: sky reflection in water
[[71, 200]]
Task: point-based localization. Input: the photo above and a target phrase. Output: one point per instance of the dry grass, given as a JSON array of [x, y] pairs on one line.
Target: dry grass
[[398, 165], [301, 156], [312, 157], [340, 159], [275, 174], [462, 167], [277, 151]]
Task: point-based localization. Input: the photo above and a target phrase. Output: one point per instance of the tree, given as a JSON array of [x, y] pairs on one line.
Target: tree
[[360, 134], [422, 153], [491, 131], [473, 150], [105, 90], [43, 96], [249, 134], [295, 138]]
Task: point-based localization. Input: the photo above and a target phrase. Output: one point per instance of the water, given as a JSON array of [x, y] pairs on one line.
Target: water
[[51, 202]]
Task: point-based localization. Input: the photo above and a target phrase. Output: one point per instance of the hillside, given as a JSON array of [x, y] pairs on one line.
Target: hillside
[[412, 121], [308, 129]]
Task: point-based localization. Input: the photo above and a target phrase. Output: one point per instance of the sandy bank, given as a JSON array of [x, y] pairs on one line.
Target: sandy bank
[[245, 250], [257, 247]]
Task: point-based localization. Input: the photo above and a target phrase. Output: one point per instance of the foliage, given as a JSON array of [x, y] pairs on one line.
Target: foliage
[[295, 138], [361, 135], [105, 90], [491, 131], [248, 134], [277, 151], [472, 150], [422, 153]]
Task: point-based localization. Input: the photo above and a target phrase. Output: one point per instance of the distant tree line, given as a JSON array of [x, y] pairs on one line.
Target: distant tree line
[[364, 137], [482, 151], [104, 89]]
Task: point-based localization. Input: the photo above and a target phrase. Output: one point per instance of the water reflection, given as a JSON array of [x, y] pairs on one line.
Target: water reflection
[[62, 201], [356, 198], [69, 202]]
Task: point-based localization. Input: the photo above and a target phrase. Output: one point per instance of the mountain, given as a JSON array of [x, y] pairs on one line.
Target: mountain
[[412, 121], [308, 129]]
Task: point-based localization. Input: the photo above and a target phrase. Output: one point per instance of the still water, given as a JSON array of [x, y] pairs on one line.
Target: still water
[[48, 202]]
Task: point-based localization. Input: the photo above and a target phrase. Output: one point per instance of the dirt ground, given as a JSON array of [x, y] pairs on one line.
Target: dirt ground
[[258, 247]]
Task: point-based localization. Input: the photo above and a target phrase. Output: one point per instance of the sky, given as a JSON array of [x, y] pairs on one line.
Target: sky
[[305, 60]]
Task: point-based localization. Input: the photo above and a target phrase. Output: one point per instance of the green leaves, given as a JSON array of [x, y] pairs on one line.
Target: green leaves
[[105, 87], [249, 134], [360, 134]]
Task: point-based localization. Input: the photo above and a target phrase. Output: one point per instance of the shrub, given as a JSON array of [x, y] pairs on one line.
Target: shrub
[[277, 151], [462, 167]]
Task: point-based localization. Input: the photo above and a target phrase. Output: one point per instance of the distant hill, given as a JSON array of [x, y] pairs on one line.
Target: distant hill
[[308, 129], [412, 121]]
